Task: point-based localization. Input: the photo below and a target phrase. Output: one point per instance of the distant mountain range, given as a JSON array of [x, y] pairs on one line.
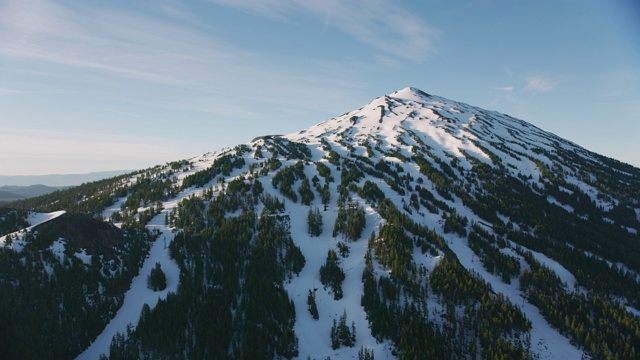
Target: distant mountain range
[[57, 180], [13, 192]]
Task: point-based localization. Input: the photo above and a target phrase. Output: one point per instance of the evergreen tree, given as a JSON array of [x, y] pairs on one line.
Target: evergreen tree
[[258, 153], [332, 275], [365, 354], [314, 222], [335, 339], [326, 195], [157, 281], [350, 221], [306, 194], [341, 334], [313, 308]]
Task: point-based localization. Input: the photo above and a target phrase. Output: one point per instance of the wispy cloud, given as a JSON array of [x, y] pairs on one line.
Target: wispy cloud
[[384, 25], [273, 9], [5, 91], [504, 88], [118, 43], [115, 43], [108, 66], [141, 48], [167, 59], [541, 84]]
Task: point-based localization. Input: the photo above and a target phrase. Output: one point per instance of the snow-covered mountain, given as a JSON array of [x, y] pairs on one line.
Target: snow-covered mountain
[[413, 227]]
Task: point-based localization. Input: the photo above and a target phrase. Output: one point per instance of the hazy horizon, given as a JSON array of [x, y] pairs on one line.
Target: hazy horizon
[[58, 180]]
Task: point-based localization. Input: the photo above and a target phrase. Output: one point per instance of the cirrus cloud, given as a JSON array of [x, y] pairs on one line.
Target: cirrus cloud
[[385, 25], [504, 88], [541, 84]]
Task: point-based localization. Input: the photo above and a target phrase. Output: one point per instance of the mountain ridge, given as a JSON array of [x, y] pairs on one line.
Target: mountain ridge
[[13, 192]]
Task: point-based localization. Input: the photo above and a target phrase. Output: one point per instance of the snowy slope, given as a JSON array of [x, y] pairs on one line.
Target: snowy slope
[[139, 294], [410, 117], [415, 117], [34, 219], [392, 128]]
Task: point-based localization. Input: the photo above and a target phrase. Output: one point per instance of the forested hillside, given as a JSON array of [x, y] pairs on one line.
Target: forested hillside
[[61, 282]]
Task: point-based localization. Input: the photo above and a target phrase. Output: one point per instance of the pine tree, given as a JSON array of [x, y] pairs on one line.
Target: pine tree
[[332, 275], [335, 339], [365, 354], [157, 281], [314, 222], [313, 308], [306, 194], [353, 334], [326, 195], [344, 334], [341, 334]]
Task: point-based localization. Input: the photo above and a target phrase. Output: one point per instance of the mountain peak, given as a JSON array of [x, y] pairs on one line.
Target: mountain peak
[[409, 93], [409, 119]]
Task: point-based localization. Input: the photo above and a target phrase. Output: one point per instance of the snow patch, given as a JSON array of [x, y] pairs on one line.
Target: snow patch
[[83, 256], [554, 201], [58, 248]]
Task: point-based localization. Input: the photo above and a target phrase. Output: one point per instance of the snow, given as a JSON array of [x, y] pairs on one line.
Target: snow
[[110, 210], [34, 219], [564, 274], [429, 262], [57, 248], [633, 310], [139, 294], [83, 256], [313, 335], [546, 341], [553, 200]]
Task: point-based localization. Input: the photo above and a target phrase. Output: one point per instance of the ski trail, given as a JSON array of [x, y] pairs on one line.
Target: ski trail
[[139, 294]]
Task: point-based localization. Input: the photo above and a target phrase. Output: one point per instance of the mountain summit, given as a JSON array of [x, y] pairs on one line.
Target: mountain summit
[[413, 227], [409, 119]]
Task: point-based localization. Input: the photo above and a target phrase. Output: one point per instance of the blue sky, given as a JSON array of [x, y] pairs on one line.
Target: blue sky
[[107, 85]]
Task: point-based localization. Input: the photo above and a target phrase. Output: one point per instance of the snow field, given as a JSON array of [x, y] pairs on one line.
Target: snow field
[[313, 335], [139, 294]]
